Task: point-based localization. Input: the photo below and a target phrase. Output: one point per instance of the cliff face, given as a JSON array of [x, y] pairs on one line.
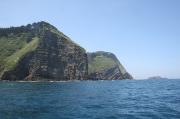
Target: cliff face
[[105, 65], [55, 57], [39, 51]]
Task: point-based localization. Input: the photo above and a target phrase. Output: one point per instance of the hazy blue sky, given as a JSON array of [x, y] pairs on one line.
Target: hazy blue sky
[[144, 34]]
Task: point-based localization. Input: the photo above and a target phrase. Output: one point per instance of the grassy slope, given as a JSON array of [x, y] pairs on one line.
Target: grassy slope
[[100, 63], [9, 45], [13, 48], [12, 60]]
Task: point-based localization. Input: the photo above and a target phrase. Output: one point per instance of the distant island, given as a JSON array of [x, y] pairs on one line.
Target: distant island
[[157, 77], [40, 52]]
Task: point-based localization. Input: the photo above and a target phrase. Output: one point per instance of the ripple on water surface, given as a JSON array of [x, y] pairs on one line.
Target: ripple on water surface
[[127, 99]]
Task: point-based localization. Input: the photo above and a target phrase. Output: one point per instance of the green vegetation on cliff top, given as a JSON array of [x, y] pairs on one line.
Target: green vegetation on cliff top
[[13, 50], [99, 63], [11, 61], [101, 60]]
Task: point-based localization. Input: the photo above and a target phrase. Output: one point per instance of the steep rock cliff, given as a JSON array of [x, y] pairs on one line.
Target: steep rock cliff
[[40, 52], [105, 65]]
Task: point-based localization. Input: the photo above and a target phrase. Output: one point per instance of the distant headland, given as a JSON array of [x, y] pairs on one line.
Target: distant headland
[[157, 77]]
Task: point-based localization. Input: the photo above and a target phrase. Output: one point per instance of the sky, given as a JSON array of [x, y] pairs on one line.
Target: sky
[[143, 34]]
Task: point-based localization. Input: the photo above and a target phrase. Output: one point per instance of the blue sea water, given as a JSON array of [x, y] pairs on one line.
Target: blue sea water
[[123, 99]]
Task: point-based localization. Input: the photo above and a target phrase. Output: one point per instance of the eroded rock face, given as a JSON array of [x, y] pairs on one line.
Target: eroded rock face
[[55, 58], [108, 74], [105, 65]]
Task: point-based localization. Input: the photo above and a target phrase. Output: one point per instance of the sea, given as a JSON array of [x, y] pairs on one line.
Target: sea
[[102, 99]]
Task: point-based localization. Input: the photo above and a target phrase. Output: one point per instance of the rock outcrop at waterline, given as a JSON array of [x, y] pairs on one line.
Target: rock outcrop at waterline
[[39, 51], [105, 65]]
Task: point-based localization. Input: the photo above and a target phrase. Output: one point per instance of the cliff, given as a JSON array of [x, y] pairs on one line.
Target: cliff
[[39, 51], [105, 65]]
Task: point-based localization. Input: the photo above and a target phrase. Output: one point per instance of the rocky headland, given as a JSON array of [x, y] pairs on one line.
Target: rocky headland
[[39, 51]]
